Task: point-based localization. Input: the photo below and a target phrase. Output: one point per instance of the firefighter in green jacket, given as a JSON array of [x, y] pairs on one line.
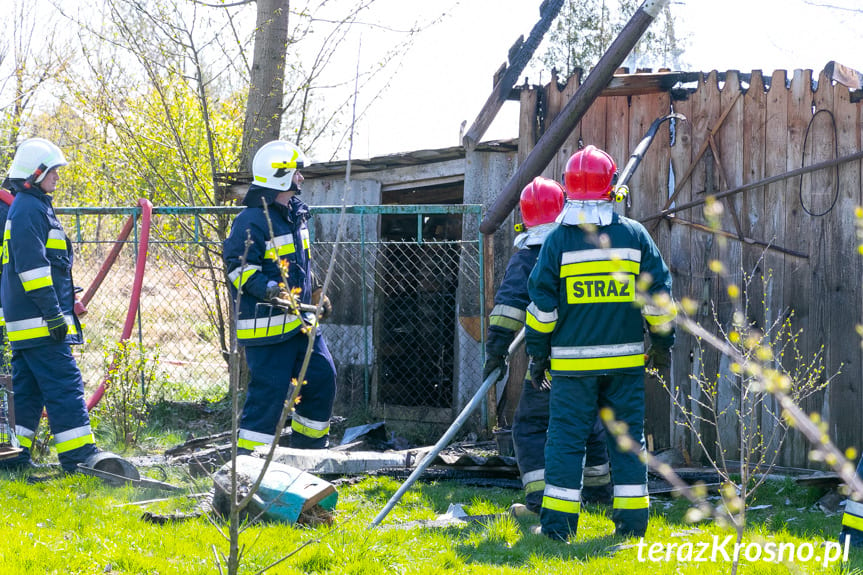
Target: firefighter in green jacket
[[584, 325]]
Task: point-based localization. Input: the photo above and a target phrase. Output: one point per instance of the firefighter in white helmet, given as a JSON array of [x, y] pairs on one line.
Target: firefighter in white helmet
[[540, 203], [584, 326], [274, 339], [38, 297]]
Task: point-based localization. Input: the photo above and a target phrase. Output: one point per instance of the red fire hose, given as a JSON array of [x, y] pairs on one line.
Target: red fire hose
[[143, 244]]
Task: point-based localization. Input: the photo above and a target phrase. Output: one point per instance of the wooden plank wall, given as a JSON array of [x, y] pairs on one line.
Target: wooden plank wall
[[810, 274]]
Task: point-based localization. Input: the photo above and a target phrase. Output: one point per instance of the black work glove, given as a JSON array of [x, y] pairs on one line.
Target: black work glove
[[493, 361], [326, 306], [57, 327], [658, 357], [538, 376]]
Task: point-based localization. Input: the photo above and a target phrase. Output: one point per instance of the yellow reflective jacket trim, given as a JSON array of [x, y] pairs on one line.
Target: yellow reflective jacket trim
[[56, 240], [642, 502], [34, 328], [36, 278], [507, 317], [597, 363], [280, 246], [267, 326], [239, 276], [601, 267], [25, 441], [656, 316]]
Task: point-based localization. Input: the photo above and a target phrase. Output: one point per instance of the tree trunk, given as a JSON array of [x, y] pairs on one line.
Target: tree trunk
[[266, 89]]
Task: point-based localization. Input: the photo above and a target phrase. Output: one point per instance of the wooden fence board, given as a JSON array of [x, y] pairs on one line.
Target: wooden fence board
[[844, 400], [797, 286], [819, 142], [678, 255], [775, 162], [705, 110]]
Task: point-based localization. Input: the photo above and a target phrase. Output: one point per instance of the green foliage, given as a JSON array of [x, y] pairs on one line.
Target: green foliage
[[585, 29], [132, 382]]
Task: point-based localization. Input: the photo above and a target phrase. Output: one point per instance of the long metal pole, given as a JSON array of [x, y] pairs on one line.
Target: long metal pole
[[447, 437], [563, 124]]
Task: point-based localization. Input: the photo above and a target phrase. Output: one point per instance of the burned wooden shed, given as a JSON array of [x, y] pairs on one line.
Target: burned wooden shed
[[779, 155]]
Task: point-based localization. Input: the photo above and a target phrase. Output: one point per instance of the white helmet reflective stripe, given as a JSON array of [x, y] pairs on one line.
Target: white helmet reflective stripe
[[31, 155], [275, 163]]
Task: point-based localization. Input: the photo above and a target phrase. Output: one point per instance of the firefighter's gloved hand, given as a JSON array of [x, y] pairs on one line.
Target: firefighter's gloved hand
[[493, 361], [658, 357], [326, 306], [538, 373], [57, 327]]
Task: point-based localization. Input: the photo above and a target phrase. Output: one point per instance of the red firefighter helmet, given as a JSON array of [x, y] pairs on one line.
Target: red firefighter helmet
[[590, 175], [541, 201]]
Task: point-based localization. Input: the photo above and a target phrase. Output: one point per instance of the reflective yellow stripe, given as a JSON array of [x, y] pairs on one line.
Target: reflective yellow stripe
[[632, 502], [534, 486], [269, 330], [55, 244], [600, 267], [283, 250], [505, 322], [244, 277], [71, 444], [852, 521], [25, 441], [247, 444], [655, 317], [36, 332], [597, 363], [561, 505], [308, 431], [38, 283], [537, 325]]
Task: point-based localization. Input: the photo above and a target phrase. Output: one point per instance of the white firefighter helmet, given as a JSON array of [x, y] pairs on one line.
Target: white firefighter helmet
[[34, 157], [275, 163]]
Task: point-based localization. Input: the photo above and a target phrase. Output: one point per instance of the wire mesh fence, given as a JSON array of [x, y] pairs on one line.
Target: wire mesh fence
[[402, 278]]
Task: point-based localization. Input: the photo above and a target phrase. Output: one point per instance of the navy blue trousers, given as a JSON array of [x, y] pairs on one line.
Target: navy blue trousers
[[48, 377], [272, 368], [575, 402], [529, 432]]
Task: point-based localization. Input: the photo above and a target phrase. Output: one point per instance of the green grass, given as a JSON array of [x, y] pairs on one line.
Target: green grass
[[75, 525]]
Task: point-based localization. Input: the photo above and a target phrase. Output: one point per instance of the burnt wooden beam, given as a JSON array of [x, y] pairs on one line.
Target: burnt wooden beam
[[519, 55], [568, 118]]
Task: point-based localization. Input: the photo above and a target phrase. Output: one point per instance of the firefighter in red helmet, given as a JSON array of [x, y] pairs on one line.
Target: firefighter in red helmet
[[541, 202], [585, 327]]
